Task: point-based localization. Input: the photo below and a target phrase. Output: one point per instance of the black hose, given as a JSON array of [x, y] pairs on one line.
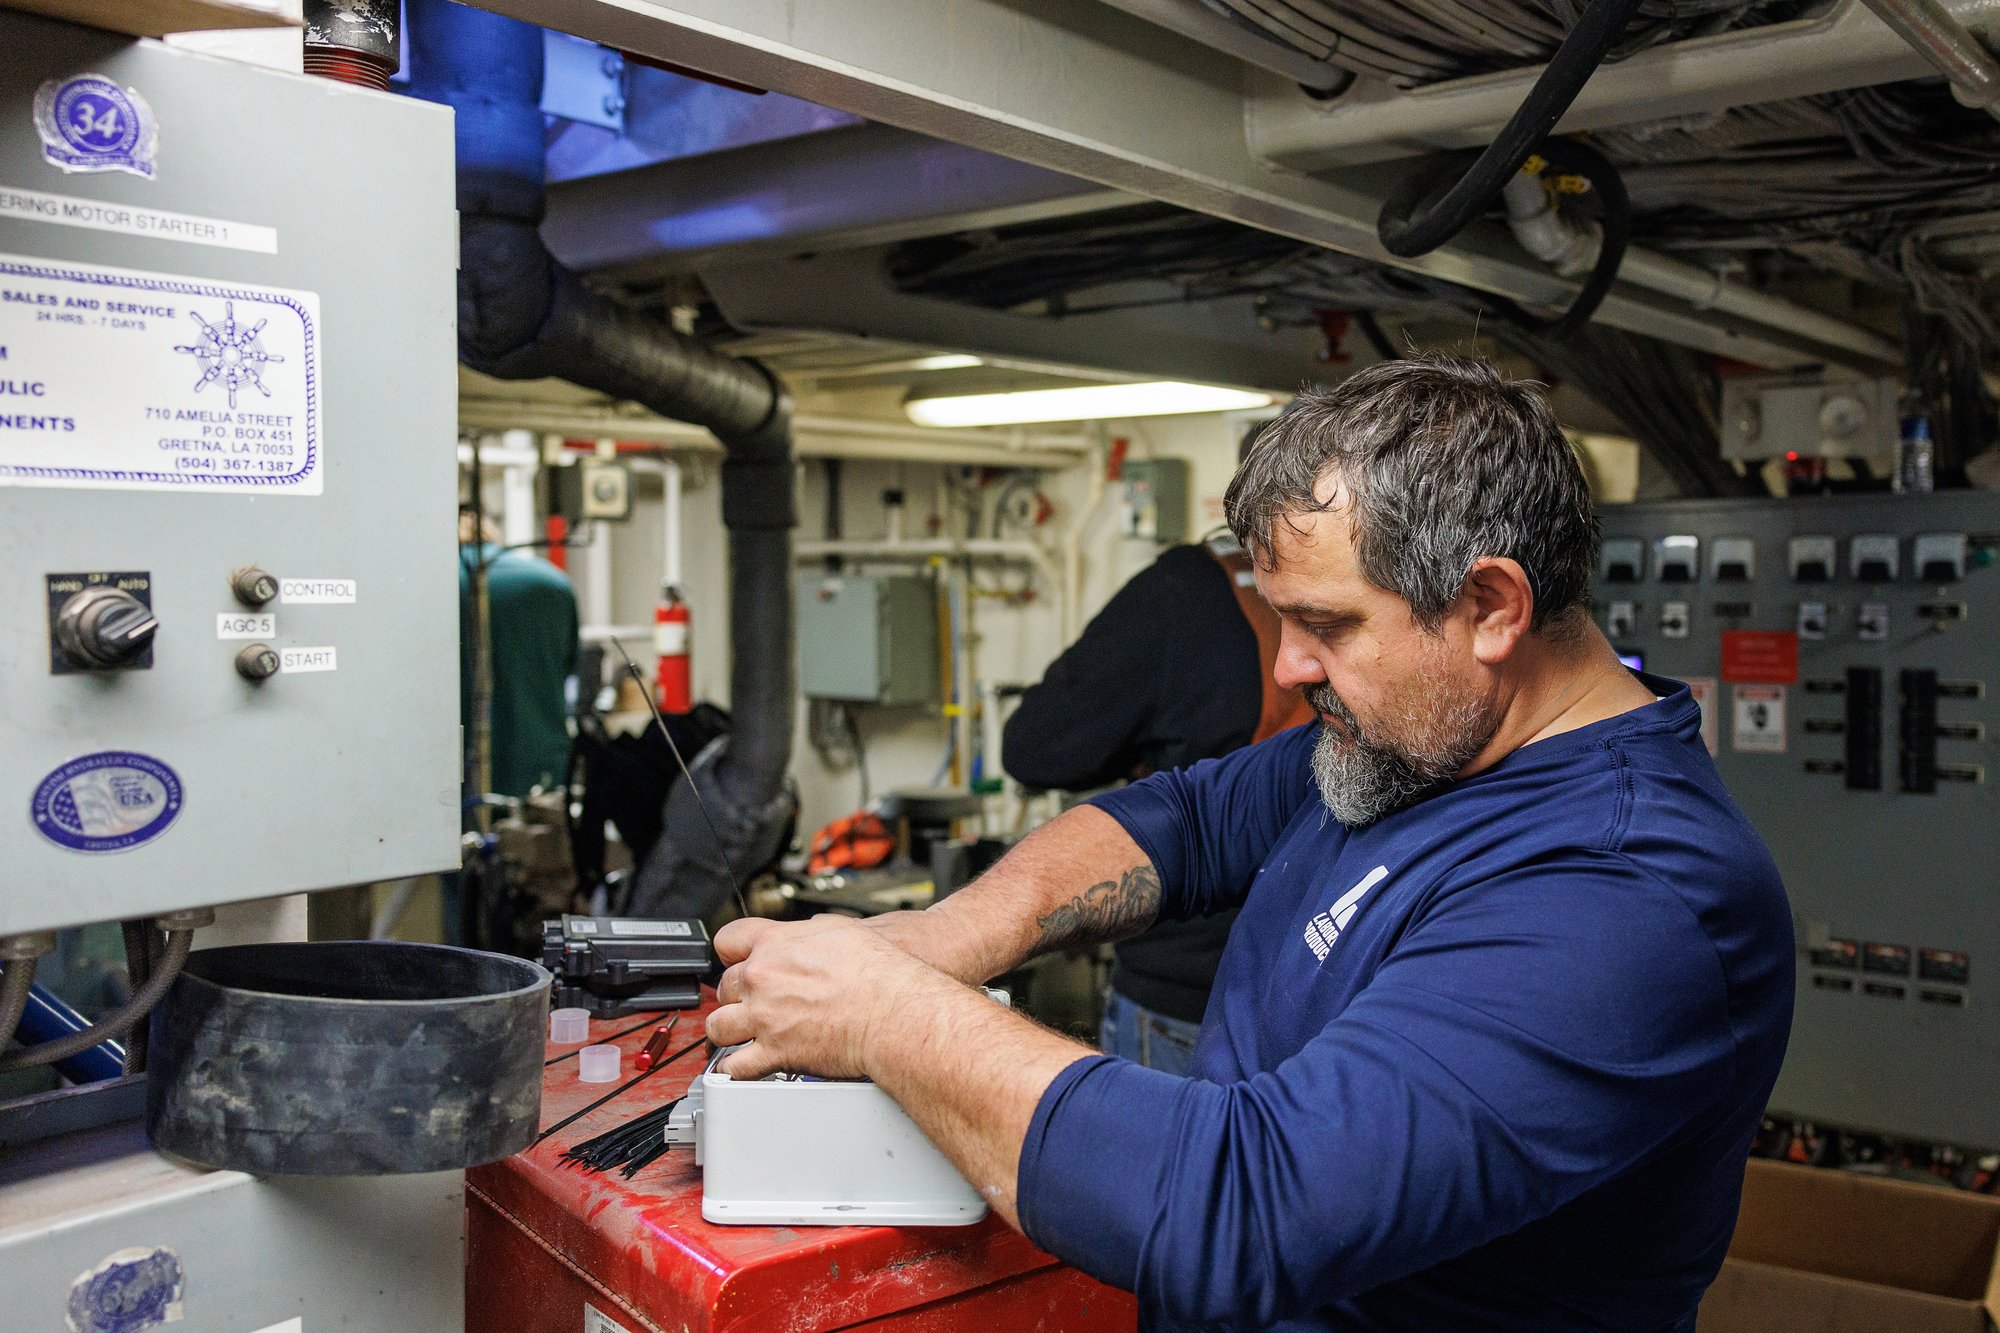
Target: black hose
[[1567, 157], [1575, 60], [1371, 329], [15, 983], [115, 1024], [139, 938]]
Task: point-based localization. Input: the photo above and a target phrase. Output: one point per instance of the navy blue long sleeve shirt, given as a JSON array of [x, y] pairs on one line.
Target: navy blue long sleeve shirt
[[1492, 1062]]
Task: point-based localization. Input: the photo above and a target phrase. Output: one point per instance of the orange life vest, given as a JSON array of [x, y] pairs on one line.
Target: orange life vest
[[1281, 708]]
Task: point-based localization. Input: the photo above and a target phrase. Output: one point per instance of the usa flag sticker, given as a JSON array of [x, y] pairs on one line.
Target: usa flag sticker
[[111, 801]]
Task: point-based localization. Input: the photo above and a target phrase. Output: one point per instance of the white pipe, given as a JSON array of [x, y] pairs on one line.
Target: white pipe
[[517, 505], [670, 472], [1570, 250], [599, 632], [1072, 572], [596, 562], [1705, 290], [1844, 46], [495, 457], [966, 673], [1012, 550], [988, 548], [1941, 39], [1543, 232], [814, 437]]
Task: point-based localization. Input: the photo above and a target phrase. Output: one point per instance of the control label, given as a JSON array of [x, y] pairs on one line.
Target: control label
[[1759, 715], [316, 592], [294, 661], [246, 625], [118, 379], [107, 802]]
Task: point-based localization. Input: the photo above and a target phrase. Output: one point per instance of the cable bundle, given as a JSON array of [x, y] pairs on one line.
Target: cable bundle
[[634, 1145], [1427, 41]]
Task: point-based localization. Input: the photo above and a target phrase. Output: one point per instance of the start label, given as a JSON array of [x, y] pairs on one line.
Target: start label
[[116, 379], [299, 660]]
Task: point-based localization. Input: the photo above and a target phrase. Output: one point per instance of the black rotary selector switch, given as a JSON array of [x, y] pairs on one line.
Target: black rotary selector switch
[[103, 627]]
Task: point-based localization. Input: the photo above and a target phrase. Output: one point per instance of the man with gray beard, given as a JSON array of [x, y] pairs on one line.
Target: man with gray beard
[[1511, 977]]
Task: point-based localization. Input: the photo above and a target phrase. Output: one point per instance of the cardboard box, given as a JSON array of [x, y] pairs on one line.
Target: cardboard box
[[1835, 1252], [156, 18]]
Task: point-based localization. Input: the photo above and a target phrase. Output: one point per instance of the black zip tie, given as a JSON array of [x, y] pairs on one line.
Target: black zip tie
[[721, 847], [626, 1086]]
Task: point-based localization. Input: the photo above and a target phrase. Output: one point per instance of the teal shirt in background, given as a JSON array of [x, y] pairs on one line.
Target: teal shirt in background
[[532, 634]]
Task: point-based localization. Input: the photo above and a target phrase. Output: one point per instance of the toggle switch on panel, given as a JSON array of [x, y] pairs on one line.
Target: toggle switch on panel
[[1811, 558], [1939, 557], [1679, 559]]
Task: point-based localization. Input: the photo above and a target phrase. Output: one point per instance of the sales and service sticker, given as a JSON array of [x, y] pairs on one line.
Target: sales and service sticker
[[125, 380], [89, 123]]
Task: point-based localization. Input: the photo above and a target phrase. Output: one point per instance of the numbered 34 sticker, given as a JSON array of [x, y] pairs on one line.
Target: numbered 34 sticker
[[89, 123]]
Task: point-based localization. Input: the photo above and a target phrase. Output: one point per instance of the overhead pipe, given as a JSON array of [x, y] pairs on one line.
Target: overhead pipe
[[523, 315], [835, 189], [352, 41], [1843, 46], [1951, 48]]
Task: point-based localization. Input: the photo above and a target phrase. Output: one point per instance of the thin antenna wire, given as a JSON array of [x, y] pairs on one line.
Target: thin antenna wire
[[721, 847]]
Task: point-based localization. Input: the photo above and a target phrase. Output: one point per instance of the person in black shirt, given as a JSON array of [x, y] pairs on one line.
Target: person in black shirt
[[1175, 668]]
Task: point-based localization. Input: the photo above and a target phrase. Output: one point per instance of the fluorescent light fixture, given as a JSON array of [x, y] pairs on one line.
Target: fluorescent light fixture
[[1090, 402], [946, 361]]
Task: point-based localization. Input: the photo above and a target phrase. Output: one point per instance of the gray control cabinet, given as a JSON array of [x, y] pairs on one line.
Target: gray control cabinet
[[868, 638], [247, 361], [1868, 769], [97, 1212]]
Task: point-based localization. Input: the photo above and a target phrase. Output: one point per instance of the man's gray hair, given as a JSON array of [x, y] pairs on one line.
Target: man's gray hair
[[1443, 463]]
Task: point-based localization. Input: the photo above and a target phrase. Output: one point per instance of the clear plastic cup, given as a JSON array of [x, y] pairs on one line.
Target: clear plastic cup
[[567, 1027], [597, 1064]]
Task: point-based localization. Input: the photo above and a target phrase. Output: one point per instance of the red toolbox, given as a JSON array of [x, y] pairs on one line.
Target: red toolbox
[[553, 1249]]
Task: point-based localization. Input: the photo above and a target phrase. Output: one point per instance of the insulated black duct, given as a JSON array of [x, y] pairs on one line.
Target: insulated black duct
[[522, 315]]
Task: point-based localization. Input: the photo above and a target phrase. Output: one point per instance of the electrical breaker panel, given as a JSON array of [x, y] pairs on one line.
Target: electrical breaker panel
[[1843, 651], [228, 596]]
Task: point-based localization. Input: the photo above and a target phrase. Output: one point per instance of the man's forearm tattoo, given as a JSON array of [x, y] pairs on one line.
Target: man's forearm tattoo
[[1113, 910]]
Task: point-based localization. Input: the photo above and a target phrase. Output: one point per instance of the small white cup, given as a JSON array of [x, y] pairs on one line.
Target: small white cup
[[567, 1027], [597, 1064]]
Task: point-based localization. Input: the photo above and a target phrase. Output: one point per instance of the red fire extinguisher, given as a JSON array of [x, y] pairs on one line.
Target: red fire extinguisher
[[670, 640]]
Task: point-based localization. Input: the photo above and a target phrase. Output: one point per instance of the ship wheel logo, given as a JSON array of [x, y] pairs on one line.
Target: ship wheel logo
[[230, 354]]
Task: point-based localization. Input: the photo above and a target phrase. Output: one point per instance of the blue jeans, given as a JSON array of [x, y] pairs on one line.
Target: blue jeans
[[1151, 1039]]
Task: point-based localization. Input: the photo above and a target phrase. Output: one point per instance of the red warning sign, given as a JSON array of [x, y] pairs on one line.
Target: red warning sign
[[1760, 657]]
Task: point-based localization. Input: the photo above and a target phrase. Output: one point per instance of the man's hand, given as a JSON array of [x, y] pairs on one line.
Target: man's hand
[[934, 938], [809, 996], [833, 996]]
